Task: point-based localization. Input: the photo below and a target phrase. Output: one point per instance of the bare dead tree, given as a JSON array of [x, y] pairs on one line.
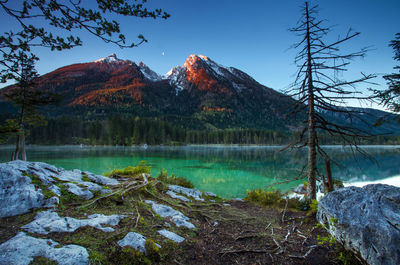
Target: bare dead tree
[[318, 90]]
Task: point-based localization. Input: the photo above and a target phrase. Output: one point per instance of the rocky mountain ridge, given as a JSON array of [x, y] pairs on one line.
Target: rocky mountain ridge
[[199, 94], [201, 91]]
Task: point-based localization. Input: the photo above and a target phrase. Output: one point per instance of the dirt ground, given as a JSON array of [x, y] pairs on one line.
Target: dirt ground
[[227, 232], [243, 233]]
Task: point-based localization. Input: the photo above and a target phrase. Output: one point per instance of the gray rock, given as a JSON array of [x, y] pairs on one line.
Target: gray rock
[[210, 194], [135, 240], [165, 211], [176, 196], [365, 220], [74, 175], [79, 191], [47, 222], [300, 189], [194, 193], [101, 179], [21, 250], [17, 194], [171, 235]]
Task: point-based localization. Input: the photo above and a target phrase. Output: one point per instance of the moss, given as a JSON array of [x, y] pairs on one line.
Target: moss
[[39, 185], [127, 256], [96, 257], [66, 197], [85, 177], [163, 176], [130, 171], [338, 183], [42, 261], [313, 207], [152, 250]]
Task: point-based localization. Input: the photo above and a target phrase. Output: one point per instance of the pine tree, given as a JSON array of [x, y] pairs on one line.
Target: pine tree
[[391, 97], [27, 99]]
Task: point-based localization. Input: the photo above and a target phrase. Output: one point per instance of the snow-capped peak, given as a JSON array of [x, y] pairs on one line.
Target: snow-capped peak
[[109, 59], [148, 73], [203, 57]]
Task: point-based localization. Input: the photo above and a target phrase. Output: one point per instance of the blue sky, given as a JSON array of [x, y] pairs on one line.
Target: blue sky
[[250, 35]]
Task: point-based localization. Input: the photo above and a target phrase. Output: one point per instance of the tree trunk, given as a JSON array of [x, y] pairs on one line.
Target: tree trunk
[[17, 148], [329, 174], [23, 152], [312, 154]]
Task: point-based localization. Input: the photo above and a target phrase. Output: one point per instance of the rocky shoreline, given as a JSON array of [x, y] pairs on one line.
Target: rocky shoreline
[[56, 215]]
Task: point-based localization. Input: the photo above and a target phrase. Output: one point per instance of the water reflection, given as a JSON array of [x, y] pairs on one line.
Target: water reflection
[[226, 170]]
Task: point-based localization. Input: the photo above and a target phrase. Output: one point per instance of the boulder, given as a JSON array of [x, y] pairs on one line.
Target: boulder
[[176, 196], [19, 195], [135, 240], [47, 222], [365, 220], [194, 193], [176, 216], [171, 235], [22, 249]]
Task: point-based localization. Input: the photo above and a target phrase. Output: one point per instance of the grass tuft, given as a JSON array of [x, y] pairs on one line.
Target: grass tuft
[[130, 171], [180, 181]]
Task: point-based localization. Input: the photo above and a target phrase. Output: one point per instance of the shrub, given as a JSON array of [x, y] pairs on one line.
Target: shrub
[[264, 197], [130, 171], [174, 180]]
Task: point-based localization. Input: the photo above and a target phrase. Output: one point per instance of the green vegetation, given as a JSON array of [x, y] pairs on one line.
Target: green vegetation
[[42, 261], [127, 131], [130, 171], [270, 197], [39, 185], [174, 180]]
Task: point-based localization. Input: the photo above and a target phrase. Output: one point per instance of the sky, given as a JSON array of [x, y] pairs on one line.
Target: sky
[[251, 35]]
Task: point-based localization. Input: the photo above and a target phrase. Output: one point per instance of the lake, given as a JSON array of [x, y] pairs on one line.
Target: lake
[[228, 171]]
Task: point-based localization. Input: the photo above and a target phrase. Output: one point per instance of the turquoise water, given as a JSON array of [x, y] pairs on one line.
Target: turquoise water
[[228, 171]]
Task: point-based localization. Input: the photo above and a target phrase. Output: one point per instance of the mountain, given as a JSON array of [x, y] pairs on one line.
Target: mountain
[[199, 94], [366, 119]]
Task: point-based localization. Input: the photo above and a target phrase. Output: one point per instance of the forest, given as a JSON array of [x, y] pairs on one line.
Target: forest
[[127, 131]]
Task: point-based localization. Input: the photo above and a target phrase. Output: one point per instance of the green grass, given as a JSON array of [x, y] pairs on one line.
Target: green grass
[[180, 181], [131, 171], [270, 197]]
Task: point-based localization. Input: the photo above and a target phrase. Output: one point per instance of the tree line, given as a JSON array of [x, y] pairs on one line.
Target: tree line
[[127, 131]]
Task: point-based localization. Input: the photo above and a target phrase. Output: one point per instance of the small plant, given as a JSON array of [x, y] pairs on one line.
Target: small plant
[[330, 240], [42, 261], [263, 197], [96, 257], [152, 250], [180, 181], [85, 177], [333, 221], [130, 171], [313, 207]]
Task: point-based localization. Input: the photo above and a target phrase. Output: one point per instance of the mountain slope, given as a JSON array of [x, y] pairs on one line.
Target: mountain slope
[[199, 94]]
